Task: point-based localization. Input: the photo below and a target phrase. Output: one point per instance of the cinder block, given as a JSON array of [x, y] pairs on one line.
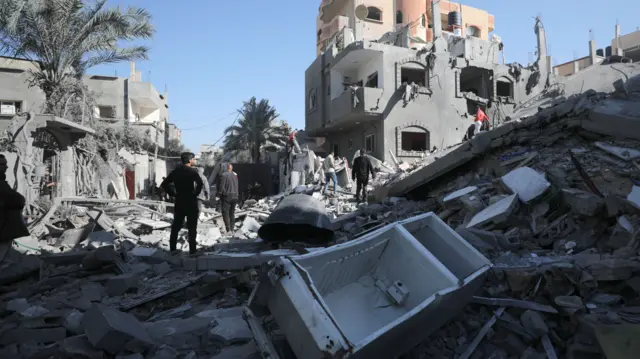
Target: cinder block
[[121, 284], [112, 330]]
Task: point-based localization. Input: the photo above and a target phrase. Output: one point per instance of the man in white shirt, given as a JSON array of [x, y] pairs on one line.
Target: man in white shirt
[[329, 173]]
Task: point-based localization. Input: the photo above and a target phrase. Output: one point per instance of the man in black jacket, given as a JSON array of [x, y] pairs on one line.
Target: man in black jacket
[[362, 167], [12, 224], [228, 197], [188, 185]]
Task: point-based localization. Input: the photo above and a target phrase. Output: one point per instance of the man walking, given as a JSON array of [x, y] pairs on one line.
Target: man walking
[[229, 197], [362, 167], [329, 173], [206, 190], [12, 224], [184, 179]]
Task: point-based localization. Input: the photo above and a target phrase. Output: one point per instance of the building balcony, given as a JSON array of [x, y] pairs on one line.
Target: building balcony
[[331, 8], [363, 103], [145, 95]]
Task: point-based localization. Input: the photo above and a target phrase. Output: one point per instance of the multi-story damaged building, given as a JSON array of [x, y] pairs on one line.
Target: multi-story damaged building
[[392, 80], [118, 99]]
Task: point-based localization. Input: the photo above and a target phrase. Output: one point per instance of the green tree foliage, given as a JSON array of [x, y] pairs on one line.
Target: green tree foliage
[[67, 37], [257, 129]]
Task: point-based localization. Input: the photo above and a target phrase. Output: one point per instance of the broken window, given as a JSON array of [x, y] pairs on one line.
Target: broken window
[[106, 112], [312, 99], [504, 87], [318, 35], [374, 13], [336, 150], [409, 75], [369, 143], [414, 138], [399, 19], [10, 108], [372, 80], [477, 80]]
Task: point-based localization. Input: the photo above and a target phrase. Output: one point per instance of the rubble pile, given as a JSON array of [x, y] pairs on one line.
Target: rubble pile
[[551, 200], [559, 220]]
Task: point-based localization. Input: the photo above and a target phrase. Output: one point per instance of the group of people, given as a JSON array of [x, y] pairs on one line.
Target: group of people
[[186, 184], [360, 172]]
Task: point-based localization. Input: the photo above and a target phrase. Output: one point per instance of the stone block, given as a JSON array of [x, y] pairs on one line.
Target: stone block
[[496, 213], [581, 202], [113, 331], [99, 258], [534, 323], [79, 347], [121, 284], [73, 322], [231, 330], [162, 268]]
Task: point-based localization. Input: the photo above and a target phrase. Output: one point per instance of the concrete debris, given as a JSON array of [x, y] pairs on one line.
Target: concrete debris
[[551, 198]]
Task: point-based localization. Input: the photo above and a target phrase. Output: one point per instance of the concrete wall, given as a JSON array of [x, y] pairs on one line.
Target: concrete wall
[[109, 91], [14, 87]]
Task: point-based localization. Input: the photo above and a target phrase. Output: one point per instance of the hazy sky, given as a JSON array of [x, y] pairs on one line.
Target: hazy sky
[[214, 54]]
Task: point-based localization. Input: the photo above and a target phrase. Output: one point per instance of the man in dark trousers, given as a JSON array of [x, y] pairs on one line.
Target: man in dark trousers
[[188, 185], [12, 224], [362, 167], [229, 197]]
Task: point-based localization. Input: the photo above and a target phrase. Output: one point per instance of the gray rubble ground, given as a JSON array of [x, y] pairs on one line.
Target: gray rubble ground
[[97, 281]]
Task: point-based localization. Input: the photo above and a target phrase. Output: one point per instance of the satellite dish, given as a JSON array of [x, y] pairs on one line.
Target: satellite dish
[[361, 12]]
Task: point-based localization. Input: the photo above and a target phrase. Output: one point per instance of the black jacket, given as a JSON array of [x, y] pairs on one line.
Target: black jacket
[[11, 221], [183, 178], [228, 186], [362, 167]]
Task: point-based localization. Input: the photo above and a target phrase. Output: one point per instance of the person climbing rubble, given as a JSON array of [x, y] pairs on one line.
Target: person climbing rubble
[[362, 167], [330, 173], [12, 224], [186, 200], [480, 124], [228, 197]]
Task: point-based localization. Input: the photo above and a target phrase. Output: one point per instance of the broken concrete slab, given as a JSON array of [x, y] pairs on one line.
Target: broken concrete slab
[[122, 284], [231, 330], [526, 183], [99, 258], [111, 330], [581, 202], [496, 213], [245, 351], [39, 335], [72, 237], [627, 154], [459, 193]]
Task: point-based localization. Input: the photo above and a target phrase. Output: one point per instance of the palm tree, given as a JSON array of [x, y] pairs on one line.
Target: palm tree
[[257, 129], [67, 37]]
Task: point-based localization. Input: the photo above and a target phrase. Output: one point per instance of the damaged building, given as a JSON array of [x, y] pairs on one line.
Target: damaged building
[[118, 100], [395, 82]]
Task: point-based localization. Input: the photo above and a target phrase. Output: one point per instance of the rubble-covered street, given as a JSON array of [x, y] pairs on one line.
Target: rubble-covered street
[[557, 212]]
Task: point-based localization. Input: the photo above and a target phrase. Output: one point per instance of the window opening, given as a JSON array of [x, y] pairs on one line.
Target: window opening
[[374, 13]]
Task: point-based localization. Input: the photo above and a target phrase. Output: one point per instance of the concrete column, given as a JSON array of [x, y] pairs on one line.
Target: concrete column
[[555, 71], [435, 15], [618, 49], [67, 177], [592, 51], [576, 66]]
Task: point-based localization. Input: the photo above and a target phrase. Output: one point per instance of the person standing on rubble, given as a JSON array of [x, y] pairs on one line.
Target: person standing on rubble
[[229, 197], [329, 167], [206, 190], [12, 223], [186, 200], [480, 124], [362, 167]]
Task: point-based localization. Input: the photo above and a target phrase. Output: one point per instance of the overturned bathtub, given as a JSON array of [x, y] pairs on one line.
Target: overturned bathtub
[[376, 297]]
